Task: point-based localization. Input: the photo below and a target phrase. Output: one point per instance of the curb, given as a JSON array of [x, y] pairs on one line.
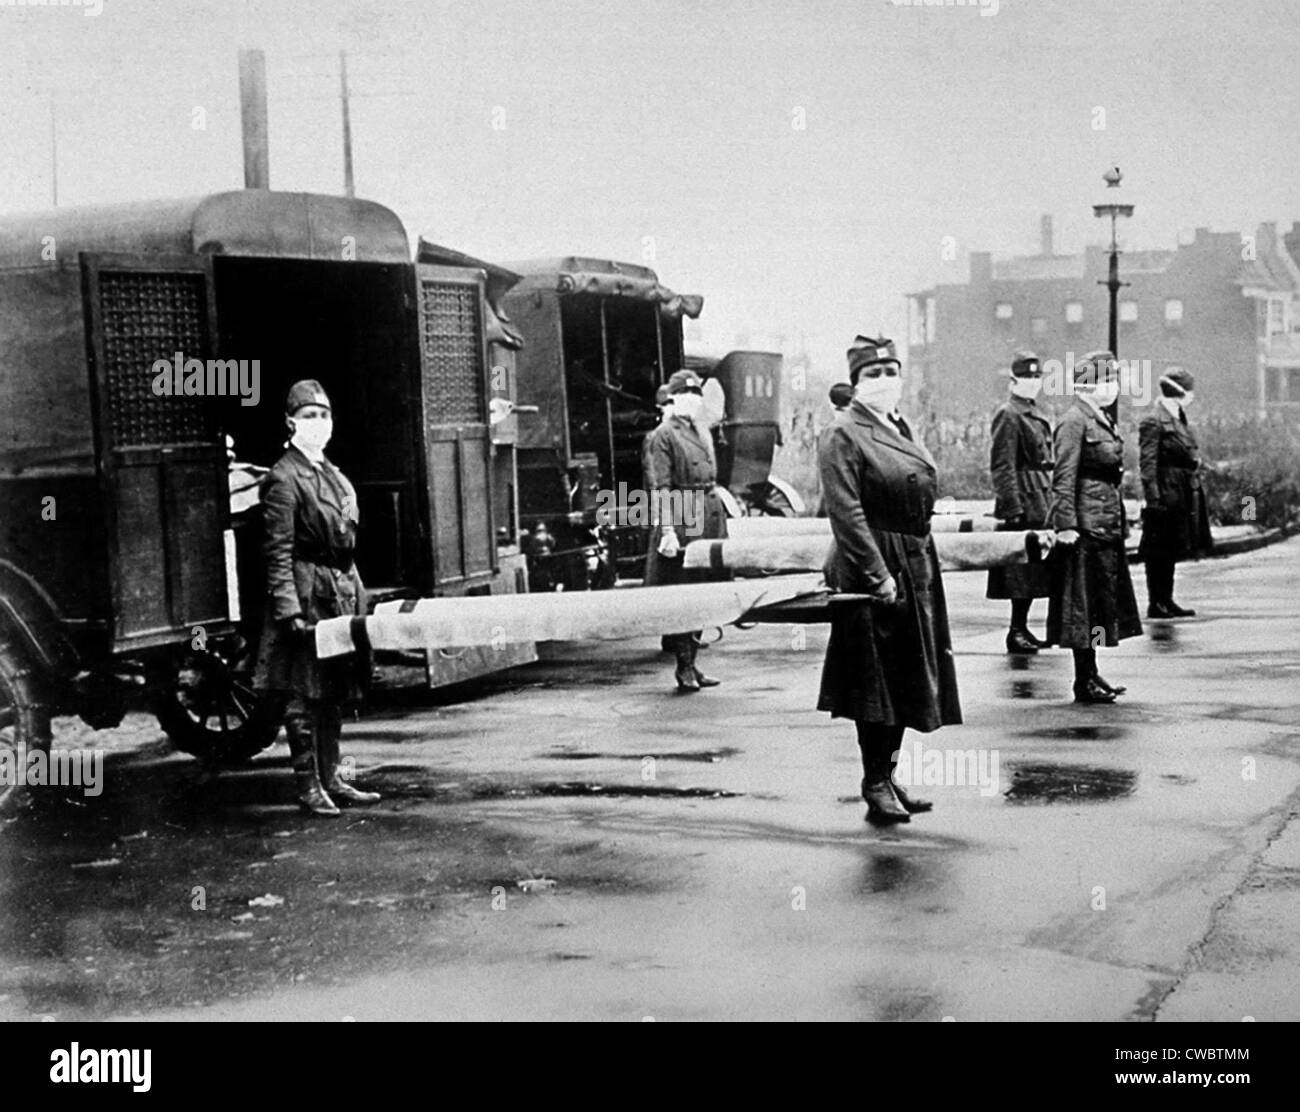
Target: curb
[[1235, 546]]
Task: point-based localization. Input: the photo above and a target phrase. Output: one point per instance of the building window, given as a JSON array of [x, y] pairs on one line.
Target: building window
[[1173, 313], [1273, 383], [1038, 326], [930, 314], [916, 322], [1128, 312], [1002, 310], [1276, 316], [1074, 312]]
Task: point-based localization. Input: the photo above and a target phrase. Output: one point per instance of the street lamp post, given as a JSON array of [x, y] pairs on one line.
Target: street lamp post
[[1114, 210]]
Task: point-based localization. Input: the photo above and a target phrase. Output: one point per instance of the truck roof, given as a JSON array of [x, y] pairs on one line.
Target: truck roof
[[577, 274], [580, 264], [247, 222]]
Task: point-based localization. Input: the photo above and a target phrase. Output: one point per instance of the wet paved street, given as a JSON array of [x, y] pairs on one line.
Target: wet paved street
[[574, 841]]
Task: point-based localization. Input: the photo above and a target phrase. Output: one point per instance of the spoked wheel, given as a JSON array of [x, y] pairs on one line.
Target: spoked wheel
[[206, 704], [24, 719]]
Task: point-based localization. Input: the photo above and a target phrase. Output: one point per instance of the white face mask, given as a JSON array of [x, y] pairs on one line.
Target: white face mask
[[687, 405], [1105, 393], [311, 434], [1027, 387], [881, 394]]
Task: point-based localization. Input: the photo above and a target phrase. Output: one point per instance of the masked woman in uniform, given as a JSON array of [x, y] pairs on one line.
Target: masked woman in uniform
[[1021, 464], [681, 474], [889, 663], [310, 517], [1092, 593], [1175, 520]]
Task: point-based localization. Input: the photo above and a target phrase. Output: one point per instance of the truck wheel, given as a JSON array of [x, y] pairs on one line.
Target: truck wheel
[[24, 717], [206, 704]]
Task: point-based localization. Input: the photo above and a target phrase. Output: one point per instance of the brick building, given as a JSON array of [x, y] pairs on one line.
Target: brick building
[[1224, 305]]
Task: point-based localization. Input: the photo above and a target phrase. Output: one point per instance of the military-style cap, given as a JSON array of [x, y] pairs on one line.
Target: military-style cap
[[685, 380], [1025, 364], [1181, 380], [306, 392], [662, 396], [867, 351], [1094, 367], [841, 395]]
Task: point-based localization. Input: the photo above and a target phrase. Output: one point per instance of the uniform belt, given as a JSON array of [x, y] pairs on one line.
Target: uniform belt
[[911, 531], [694, 486], [1042, 467], [1102, 474], [338, 562]]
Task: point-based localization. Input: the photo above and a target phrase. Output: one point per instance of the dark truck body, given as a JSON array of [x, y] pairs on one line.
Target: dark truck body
[[600, 337], [117, 543]]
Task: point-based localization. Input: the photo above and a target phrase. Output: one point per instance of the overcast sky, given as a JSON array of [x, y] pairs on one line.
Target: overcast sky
[[626, 122]]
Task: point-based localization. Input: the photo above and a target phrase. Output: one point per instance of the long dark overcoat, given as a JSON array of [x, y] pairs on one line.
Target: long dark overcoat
[[1176, 521], [884, 664], [1020, 461], [679, 461], [310, 520], [1092, 602]]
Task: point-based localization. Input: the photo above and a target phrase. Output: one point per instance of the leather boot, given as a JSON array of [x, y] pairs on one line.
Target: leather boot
[[301, 732], [1117, 689], [685, 673], [912, 804], [1090, 691], [1173, 610], [1020, 641], [883, 806], [700, 677], [339, 789]]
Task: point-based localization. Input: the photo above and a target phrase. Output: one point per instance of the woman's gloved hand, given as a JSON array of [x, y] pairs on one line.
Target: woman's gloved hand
[[887, 592], [669, 547], [1067, 536]]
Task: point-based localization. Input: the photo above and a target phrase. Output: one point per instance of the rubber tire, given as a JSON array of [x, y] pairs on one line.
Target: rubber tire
[[20, 690], [235, 746]]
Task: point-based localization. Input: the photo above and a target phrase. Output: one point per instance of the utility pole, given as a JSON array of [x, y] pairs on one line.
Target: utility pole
[[349, 187], [54, 152], [252, 116]]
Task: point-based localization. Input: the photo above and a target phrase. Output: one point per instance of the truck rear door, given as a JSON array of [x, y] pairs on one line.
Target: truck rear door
[[458, 444], [161, 462]]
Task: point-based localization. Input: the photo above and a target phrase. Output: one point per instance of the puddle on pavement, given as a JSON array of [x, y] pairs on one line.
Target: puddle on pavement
[[1055, 783], [702, 756], [586, 788], [1078, 733], [173, 890], [903, 1007], [1164, 636], [405, 782], [895, 872], [1022, 685]]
